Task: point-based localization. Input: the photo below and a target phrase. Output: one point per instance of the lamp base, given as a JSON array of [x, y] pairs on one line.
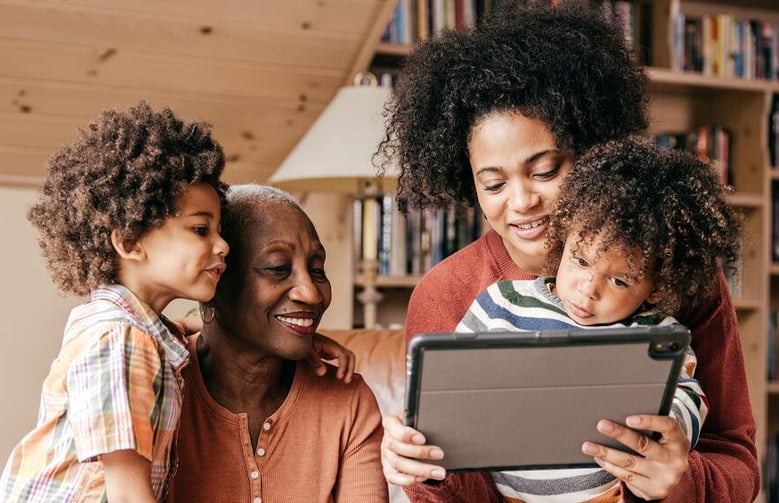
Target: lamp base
[[370, 297]]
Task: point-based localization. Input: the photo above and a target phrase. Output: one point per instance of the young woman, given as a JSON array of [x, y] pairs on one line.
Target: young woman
[[497, 115]]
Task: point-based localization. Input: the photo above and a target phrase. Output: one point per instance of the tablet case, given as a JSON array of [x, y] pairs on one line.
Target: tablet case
[[509, 400]]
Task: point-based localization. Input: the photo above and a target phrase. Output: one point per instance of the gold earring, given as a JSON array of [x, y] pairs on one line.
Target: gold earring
[[207, 312]]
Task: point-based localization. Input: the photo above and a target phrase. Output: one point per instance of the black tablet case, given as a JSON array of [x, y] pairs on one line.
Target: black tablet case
[[511, 400]]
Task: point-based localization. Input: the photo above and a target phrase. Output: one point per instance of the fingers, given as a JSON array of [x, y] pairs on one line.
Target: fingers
[[654, 468], [346, 363], [328, 349], [400, 445], [316, 364]]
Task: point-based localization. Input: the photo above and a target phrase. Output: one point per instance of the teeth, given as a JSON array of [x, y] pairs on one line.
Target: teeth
[[533, 225], [301, 322]]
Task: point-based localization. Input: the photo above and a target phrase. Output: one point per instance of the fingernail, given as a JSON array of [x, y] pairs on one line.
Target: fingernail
[[436, 453], [589, 448], [437, 473], [605, 426], [633, 421], [418, 438]]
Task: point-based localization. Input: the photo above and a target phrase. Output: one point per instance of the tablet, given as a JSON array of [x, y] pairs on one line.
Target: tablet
[[522, 400]]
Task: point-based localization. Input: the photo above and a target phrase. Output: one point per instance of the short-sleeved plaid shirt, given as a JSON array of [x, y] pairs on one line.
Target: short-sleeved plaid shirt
[[115, 385]]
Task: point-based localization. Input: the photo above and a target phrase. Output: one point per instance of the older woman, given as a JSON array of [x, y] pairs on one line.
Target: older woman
[[257, 425]]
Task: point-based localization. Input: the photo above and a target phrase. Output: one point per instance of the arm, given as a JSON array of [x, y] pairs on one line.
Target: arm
[[324, 347], [689, 406], [127, 478], [723, 466], [110, 386], [359, 474]]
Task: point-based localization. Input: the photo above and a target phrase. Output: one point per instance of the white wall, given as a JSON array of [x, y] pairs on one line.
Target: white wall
[[33, 315]]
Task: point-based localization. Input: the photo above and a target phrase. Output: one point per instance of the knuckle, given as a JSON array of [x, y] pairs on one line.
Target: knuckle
[[630, 462], [643, 444]]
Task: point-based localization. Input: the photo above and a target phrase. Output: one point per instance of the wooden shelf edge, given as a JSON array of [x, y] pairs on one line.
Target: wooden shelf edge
[[772, 387], [664, 76], [743, 200]]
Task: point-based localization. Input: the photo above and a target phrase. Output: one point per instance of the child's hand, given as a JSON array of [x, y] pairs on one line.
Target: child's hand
[[192, 324], [325, 348]]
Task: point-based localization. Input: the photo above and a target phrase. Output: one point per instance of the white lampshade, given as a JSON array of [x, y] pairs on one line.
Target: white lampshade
[[335, 154]]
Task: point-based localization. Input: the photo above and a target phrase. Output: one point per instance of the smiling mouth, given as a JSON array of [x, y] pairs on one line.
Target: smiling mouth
[[300, 322], [532, 225]]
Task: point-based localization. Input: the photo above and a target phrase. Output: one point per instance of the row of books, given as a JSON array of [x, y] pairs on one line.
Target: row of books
[[773, 132], [635, 16], [414, 20], [721, 45], [712, 144], [411, 243], [771, 471], [773, 330]]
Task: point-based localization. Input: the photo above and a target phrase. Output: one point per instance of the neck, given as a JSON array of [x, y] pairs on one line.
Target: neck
[[236, 377]]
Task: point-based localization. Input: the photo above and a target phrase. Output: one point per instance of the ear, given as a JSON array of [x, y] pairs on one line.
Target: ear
[[653, 298], [125, 249]]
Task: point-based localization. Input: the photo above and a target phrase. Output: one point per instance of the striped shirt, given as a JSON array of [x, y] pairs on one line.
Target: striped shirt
[[115, 385], [531, 305]]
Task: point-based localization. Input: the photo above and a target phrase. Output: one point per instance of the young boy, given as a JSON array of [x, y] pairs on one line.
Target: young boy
[[636, 233], [129, 213]]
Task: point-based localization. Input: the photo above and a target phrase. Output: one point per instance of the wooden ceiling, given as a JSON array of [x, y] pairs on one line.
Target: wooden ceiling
[[260, 71]]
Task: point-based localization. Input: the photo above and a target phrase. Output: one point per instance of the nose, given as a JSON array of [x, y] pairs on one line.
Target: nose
[[305, 290], [221, 247], [522, 197], [587, 286]]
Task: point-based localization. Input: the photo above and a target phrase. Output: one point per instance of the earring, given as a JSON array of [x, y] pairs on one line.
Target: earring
[[206, 312]]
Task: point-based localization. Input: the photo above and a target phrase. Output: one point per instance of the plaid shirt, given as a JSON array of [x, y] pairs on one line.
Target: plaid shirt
[[115, 385]]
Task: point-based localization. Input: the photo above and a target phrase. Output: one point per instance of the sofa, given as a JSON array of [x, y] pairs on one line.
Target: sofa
[[380, 358]]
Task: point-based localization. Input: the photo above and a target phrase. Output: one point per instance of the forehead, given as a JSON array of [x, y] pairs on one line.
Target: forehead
[[612, 250], [274, 219]]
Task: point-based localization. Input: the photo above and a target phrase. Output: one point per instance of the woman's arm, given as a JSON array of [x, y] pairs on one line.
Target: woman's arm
[[359, 474], [723, 466]]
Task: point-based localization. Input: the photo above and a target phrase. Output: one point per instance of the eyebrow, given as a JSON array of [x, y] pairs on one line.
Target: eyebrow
[[530, 160], [197, 214]]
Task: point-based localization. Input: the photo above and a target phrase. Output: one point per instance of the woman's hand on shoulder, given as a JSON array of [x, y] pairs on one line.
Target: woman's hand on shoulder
[[657, 467], [325, 348], [402, 448]]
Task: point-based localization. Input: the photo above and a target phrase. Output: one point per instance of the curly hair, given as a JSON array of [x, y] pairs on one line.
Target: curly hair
[[666, 203], [567, 66], [124, 172]]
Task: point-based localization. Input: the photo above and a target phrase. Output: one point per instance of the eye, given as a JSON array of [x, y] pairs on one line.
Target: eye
[[579, 261], [548, 174], [494, 187], [200, 230], [318, 274], [619, 283]]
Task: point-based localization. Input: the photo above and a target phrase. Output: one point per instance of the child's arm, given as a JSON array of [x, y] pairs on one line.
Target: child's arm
[[690, 405], [127, 477]]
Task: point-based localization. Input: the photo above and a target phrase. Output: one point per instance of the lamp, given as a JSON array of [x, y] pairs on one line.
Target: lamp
[[335, 155]]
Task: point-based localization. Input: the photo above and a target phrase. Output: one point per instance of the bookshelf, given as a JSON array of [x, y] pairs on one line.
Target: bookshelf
[[681, 101]]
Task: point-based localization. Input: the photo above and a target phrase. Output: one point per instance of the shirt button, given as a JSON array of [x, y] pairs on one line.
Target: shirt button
[[257, 500], [255, 474], [260, 451], [266, 426]]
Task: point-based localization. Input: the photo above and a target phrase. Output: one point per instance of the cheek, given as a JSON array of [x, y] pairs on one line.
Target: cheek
[[326, 291]]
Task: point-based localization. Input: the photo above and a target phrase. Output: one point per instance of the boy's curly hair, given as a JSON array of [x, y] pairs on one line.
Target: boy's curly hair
[[666, 203], [567, 66], [124, 172]]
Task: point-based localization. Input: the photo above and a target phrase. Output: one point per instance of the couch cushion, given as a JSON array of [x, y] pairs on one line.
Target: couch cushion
[[380, 360]]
